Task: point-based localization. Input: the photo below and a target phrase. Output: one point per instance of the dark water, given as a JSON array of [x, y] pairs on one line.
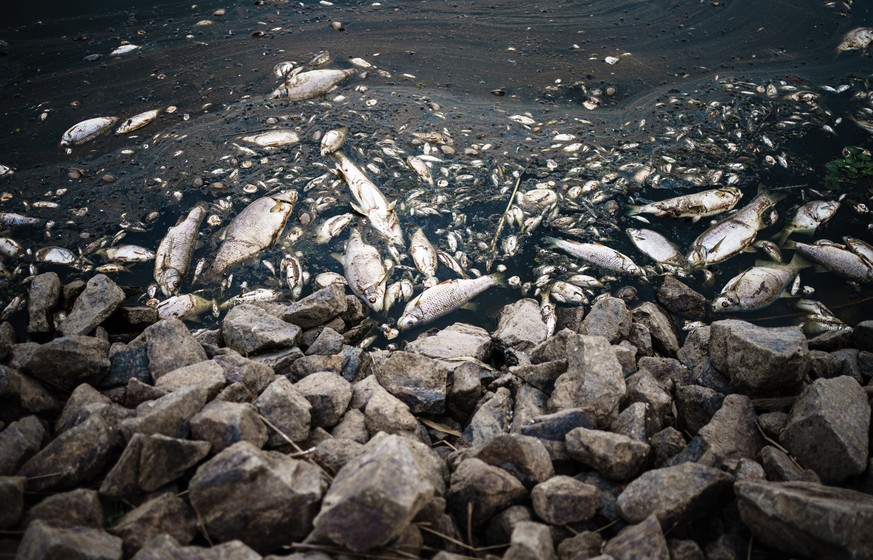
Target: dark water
[[690, 87]]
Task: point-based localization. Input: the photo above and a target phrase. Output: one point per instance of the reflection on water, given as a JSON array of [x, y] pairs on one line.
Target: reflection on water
[[628, 101]]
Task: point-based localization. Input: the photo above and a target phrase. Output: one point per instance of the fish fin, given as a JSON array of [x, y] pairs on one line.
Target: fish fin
[[391, 206], [358, 209], [633, 210], [789, 245], [550, 242], [500, 279], [782, 237], [750, 249], [337, 256], [696, 219], [470, 306]]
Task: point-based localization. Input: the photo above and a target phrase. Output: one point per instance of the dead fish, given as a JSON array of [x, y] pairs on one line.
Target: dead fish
[[281, 69], [370, 200], [321, 57], [124, 49], [808, 218], [695, 206], [598, 255], [311, 84], [548, 314], [565, 292], [11, 219], [186, 306], [333, 140], [332, 227], [656, 246], [129, 254], [757, 287], [293, 275], [365, 271], [56, 255], [137, 121], [10, 248], [326, 279], [771, 249], [856, 39], [585, 281], [252, 296], [420, 168], [6, 172], [444, 298], [424, 255], [840, 261], [819, 318], [87, 130], [860, 248], [174, 251], [452, 264], [273, 138]]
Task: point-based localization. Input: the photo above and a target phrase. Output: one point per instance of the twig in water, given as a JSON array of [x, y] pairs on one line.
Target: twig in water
[[490, 260]]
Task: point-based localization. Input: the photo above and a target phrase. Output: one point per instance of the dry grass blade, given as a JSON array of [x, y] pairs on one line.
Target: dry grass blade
[[440, 428], [493, 249], [304, 454]]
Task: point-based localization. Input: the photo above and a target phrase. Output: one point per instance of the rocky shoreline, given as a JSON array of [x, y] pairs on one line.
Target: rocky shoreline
[[620, 436]]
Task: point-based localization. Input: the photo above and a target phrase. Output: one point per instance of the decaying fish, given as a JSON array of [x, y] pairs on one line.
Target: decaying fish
[[11, 219], [656, 246], [547, 313], [365, 271], [599, 255], [311, 84], [860, 248], [186, 306], [732, 234], [857, 39], [273, 138], [370, 200], [757, 287], [809, 217], [444, 298], [174, 252], [420, 168], [10, 248], [56, 255], [87, 130], [6, 171], [695, 206], [293, 275], [326, 279], [129, 254], [819, 318], [332, 227], [840, 261], [252, 296], [253, 230], [771, 249], [319, 58], [137, 121], [424, 256], [124, 49], [333, 140], [565, 292]]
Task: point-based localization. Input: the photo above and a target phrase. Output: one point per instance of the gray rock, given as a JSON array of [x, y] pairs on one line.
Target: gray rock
[[862, 336], [138, 392], [465, 389], [832, 340], [488, 489], [12, 497], [684, 550], [326, 343], [458, 340], [43, 541], [74, 457], [7, 339], [225, 423], [779, 467], [248, 330], [524, 457], [335, 453], [828, 429], [150, 462], [164, 546], [76, 508], [848, 359], [643, 540], [126, 363], [100, 299], [772, 423], [308, 365], [808, 519], [278, 495], [74, 409], [562, 500], [615, 456], [354, 358], [376, 495], [168, 415], [417, 380], [504, 522], [26, 392], [551, 429], [665, 338], [42, 299], [491, 418], [824, 364], [634, 422], [207, 374], [520, 325], [696, 405], [19, 441], [609, 317], [383, 412], [626, 353], [353, 426], [530, 541], [542, 375], [694, 353], [572, 318], [757, 358], [68, 361], [554, 348], [669, 372], [643, 387], [674, 494], [329, 394], [171, 346], [530, 403], [317, 308], [593, 382], [732, 434], [164, 514], [285, 407], [237, 369], [678, 298], [280, 361]]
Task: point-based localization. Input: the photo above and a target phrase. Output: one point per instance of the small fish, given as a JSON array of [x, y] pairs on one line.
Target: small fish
[[421, 169], [87, 130], [311, 84], [6, 171], [137, 121], [819, 318], [321, 57], [365, 271], [565, 292], [840, 261], [808, 218], [333, 140], [771, 249], [656, 246], [110, 268], [444, 298], [11, 219], [332, 227], [860, 248], [56, 255], [10, 248], [585, 281], [326, 279], [273, 138], [548, 314], [293, 275], [281, 69], [424, 256], [129, 253], [370, 200], [186, 306], [598, 255], [695, 206], [757, 287], [124, 49], [251, 296], [857, 39], [452, 264]]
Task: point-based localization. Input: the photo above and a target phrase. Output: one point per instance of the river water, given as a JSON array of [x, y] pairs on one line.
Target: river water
[[660, 98]]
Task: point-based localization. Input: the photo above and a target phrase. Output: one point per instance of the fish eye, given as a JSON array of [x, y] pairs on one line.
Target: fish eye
[[373, 299], [725, 304]]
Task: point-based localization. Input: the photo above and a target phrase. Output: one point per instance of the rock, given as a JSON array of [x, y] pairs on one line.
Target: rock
[[42, 299], [76, 508], [828, 429], [248, 330], [328, 342], [665, 445], [100, 299], [22, 391], [674, 494], [225, 423], [317, 308], [634, 422], [664, 334], [74, 457], [168, 415], [376, 495], [335, 453], [669, 372], [862, 336], [383, 412], [207, 374], [171, 346], [520, 325], [12, 497], [572, 318], [779, 467], [550, 429], [610, 318], [458, 340], [824, 364], [19, 441], [643, 387], [562, 500], [694, 353], [150, 462], [530, 403], [678, 298], [7, 339], [643, 540], [530, 541], [732, 433], [626, 353], [542, 375], [126, 363], [280, 360], [308, 365], [138, 392], [164, 546], [417, 380], [583, 545], [68, 361], [42, 541], [353, 426], [759, 359], [488, 489], [465, 389], [524, 457], [614, 456], [554, 348], [74, 409], [329, 394], [237, 369], [164, 514], [772, 423], [848, 359], [696, 405], [593, 382], [684, 550], [504, 522], [491, 418], [284, 406], [263, 498], [807, 519]]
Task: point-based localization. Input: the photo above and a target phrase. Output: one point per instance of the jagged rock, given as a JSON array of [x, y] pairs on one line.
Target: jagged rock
[[488, 489], [458, 340], [12, 497], [383, 412], [168, 415], [284, 406], [76, 508], [609, 317], [615, 456], [19, 441], [554, 348], [317, 308], [126, 363], [828, 429], [67, 361], [694, 353], [696, 405], [73, 457], [100, 299], [326, 343], [377, 494], [164, 546], [643, 540], [263, 498], [308, 365], [758, 359], [634, 422], [550, 429], [563, 499], [571, 318], [684, 550], [280, 360], [248, 330], [417, 380], [164, 514], [225, 423], [643, 387], [593, 381], [542, 375], [238, 369], [74, 409], [669, 372], [862, 335], [530, 541], [832, 340], [503, 523], [824, 364], [772, 423], [848, 359], [626, 353], [171, 346], [7, 339], [329, 394], [678, 298], [465, 389], [529, 403], [336, 452], [732, 433], [207, 374], [779, 467], [583, 545], [664, 333], [808, 519], [491, 418], [42, 299], [520, 325], [151, 461], [354, 358], [138, 392], [674, 494], [353, 426], [524, 457], [43, 541]]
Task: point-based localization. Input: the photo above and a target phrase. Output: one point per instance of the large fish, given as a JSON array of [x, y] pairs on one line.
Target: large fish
[[370, 200], [809, 217], [840, 261], [598, 255], [174, 252], [87, 130], [696, 205], [365, 271], [444, 298], [656, 246], [757, 287], [309, 85]]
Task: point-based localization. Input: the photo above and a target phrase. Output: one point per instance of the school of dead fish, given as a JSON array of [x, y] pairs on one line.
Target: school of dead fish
[[438, 271]]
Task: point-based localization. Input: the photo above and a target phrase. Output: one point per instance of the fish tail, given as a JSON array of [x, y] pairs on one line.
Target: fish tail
[[499, 279], [633, 210], [551, 242]]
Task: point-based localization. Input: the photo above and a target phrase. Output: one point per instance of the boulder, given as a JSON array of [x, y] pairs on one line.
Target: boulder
[[593, 382], [164, 514], [68, 361], [562, 500], [248, 330], [94, 305], [285, 407], [224, 423], [615, 456], [317, 308], [417, 380], [42, 299], [610, 318], [458, 340], [42, 541], [520, 325], [643, 540], [19, 441], [169, 415], [486, 488], [76, 508], [171, 346]]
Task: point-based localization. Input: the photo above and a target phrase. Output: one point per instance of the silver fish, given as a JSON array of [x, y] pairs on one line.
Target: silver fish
[[370, 200], [184, 306], [656, 246], [124, 49], [444, 298], [6, 171], [87, 130], [129, 253], [293, 275], [809, 217], [365, 271], [137, 121], [696, 206], [11, 219], [332, 227], [421, 169], [56, 255], [860, 248], [326, 279], [840, 261], [251, 296], [333, 140], [311, 84], [548, 314], [321, 57], [819, 318], [10, 248], [598, 255], [565, 292], [424, 256], [273, 138], [174, 252], [857, 39], [757, 287]]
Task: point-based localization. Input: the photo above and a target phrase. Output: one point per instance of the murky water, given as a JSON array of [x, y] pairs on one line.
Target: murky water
[[662, 98]]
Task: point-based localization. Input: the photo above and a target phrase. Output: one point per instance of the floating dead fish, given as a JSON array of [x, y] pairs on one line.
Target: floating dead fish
[[857, 39], [186, 306], [273, 138], [333, 140], [656, 246], [695, 206], [321, 57], [129, 254], [6, 172], [809, 217], [757, 287], [174, 252], [522, 119], [424, 256], [565, 292], [420, 168], [11, 219], [87, 130], [326, 279], [598, 255], [332, 227], [444, 298], [137, 121], [370, 200], [10, 248], [124, 49], [311, 84], [839, 261], [364, 270], [253, 296], [860, 248], [56, 255], [820, 319]]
